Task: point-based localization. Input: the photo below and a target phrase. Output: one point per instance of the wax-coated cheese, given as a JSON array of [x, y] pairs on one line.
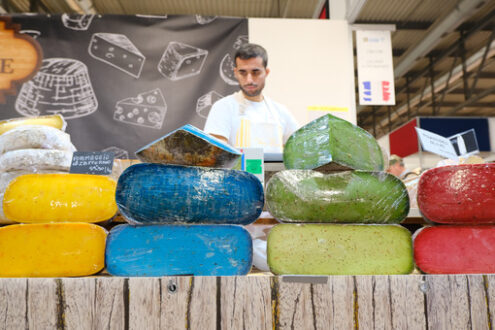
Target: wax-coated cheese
[[36, 198], [455, 249], [51, 250], [336, 249], [56, 121]]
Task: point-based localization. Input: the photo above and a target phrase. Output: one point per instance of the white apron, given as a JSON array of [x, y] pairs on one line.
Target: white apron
[[265, 132]]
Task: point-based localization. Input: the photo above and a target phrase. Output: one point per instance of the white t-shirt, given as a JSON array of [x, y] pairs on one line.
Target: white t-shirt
[[246, 124]]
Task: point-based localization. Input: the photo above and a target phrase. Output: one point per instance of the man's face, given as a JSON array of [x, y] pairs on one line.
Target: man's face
[[251, 76]]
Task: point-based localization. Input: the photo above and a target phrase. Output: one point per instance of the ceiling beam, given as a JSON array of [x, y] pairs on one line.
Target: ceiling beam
[[457, 16], [354, 9]]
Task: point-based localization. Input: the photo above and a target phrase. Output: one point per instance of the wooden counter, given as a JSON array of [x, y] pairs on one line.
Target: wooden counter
[[250, 302]]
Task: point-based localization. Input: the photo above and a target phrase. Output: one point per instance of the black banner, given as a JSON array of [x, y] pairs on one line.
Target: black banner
[[124, 81]]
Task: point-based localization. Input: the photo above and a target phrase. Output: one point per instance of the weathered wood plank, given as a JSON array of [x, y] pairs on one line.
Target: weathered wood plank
[[13, 303], [175, 293], [295, 305], [144, 303], [202, 305], [79, 297], [478, 302], [44, 308], [365, 303], [447, 302], [489, 282], [343, 302], [407, 293], [382, 302], [246, 302], [109, 304]]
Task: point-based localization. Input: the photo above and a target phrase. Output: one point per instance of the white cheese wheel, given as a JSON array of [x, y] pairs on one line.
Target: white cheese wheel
[[35, 160], [35, 137]]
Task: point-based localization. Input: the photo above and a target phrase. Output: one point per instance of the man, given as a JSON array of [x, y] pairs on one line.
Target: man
[[247, 118], [396, 166]]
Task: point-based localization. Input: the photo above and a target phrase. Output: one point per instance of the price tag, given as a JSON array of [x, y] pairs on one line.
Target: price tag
[[92, 162]]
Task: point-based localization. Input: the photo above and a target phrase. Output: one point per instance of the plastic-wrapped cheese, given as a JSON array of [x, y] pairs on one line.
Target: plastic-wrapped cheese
[[38, 198], [51, 250], [35, 137], [35, 160], [56, 121]]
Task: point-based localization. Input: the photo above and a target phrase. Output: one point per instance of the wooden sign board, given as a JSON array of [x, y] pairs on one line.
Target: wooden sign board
[[20, 57]]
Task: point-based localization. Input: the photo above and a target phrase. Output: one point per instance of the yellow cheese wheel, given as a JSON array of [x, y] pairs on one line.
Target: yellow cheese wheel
[[51, 250], [56, 121], [62, 197]]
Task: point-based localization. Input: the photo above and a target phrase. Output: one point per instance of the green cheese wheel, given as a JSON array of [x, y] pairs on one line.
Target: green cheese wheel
[[336, 249], [332, 143], [338, 197]]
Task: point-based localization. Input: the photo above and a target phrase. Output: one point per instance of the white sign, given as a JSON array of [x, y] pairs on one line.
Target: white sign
[[375, 68], [459, 145]]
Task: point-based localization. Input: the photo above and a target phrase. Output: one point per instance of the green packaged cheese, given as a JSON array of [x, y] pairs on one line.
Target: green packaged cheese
[[336, 249], [337, 197], [331, 143]]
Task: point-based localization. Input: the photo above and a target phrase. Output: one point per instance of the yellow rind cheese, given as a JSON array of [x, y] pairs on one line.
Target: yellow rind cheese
[[56, 121], [62, 197], [51, 250]]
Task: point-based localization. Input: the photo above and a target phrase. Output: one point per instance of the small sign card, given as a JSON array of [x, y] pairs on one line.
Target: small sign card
[[92, 162], [459, 145]]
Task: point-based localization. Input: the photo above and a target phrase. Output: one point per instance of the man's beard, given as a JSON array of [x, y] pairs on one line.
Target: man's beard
[[256, 92]]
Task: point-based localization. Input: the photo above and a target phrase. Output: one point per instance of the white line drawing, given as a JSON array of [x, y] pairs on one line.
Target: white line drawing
[[153, 16], [77, 22], [61, 86], [35, 34], [204, 103], [205, 19], [147, 109], [227, 70], [118, 51], [119, 153], [242, 39], [181, 61]]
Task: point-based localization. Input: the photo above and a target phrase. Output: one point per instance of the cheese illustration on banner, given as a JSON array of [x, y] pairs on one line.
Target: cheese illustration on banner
[[76, 21], [169, 250], [455, 249], [334, 249], [61, 86], [339, 197], [329, 144], [38, 198], [458, 194], [181, 61], [118, 51], [148, 109], [35, 137], [51, 250], [189, 145], [157, 193], [56, 121]]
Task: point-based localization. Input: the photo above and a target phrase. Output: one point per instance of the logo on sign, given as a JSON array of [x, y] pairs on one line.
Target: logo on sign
[[386, 90], [20, 57], [367, 90]]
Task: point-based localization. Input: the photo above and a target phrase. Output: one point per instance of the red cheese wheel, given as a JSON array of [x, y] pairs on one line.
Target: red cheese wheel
[[455, 249], [458, 194]]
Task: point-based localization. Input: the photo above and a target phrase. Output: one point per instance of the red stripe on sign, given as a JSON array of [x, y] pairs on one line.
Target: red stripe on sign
[[404, 140]]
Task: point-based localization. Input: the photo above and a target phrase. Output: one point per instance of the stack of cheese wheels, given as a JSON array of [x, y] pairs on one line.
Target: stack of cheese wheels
[[185, 218], [340, 211], [55, 209], [460, 201]]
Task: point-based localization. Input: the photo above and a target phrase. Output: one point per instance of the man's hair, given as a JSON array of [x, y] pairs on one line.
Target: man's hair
[[394, 159], [247, 51]]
